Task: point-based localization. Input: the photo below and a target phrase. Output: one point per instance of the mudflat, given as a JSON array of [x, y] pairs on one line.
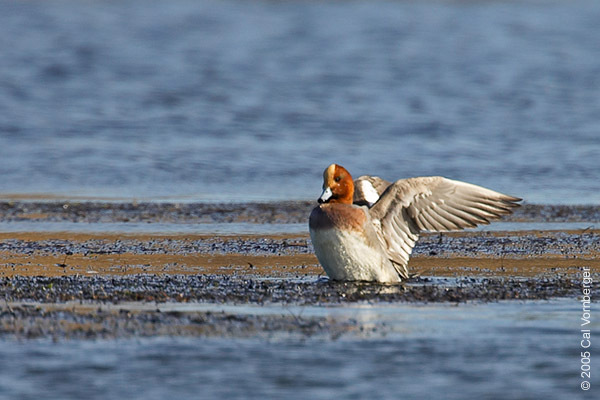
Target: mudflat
[[74, 284]]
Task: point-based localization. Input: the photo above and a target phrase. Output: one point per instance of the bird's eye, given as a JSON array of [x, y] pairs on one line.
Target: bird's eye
[[337, 178]]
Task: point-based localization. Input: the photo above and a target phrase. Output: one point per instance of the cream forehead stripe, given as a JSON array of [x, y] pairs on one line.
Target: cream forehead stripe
[[329, 173]]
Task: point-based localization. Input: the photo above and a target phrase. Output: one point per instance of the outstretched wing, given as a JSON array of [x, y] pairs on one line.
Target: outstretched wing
[[434, 204]]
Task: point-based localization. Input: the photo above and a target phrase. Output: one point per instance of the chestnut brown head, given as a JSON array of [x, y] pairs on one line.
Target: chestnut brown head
[[338, 186]]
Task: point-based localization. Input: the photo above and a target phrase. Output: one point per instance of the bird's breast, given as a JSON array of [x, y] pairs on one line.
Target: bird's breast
[[345, 217]]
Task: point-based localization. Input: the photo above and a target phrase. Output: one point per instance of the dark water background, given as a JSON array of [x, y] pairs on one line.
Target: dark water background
[[251, 100]]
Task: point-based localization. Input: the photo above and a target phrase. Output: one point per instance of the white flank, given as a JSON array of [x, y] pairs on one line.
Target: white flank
[[346, 256]]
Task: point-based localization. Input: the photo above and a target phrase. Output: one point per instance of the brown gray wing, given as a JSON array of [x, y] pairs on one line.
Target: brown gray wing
[[434, 204], [368, 189]]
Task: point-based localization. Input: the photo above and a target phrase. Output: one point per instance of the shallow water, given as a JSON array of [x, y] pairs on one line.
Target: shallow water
[[250, 100], [242, 228], [506, 350], [247, 100], [216, 229]]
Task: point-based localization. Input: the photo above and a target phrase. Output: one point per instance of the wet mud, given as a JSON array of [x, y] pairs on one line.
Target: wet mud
[[76, 307], [43, 273], [26, 321], [285, 212], [259, 290], [526, 253]]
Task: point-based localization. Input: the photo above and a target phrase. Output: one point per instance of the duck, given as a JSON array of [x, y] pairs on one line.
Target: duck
[[365, 229]]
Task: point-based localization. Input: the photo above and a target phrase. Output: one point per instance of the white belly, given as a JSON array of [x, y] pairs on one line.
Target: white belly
[[345, 255]]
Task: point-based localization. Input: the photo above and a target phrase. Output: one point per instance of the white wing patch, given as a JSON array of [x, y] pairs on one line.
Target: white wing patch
[[371, 195]]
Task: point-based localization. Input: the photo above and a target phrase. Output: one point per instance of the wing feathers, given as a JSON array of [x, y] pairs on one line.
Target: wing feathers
[[469, 217], [409, 206]]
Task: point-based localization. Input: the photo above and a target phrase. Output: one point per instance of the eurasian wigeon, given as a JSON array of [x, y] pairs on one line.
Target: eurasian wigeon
[[365, 230]]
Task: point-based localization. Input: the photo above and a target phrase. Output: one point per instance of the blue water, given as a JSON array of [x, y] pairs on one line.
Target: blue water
[[240, 228], [473, 351], [251, 100]]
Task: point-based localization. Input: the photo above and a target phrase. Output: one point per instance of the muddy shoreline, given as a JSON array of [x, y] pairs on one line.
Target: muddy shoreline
[[76, 307], [259, 290], [29, 321], [59, 284], [490, 254], [285, 212]]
